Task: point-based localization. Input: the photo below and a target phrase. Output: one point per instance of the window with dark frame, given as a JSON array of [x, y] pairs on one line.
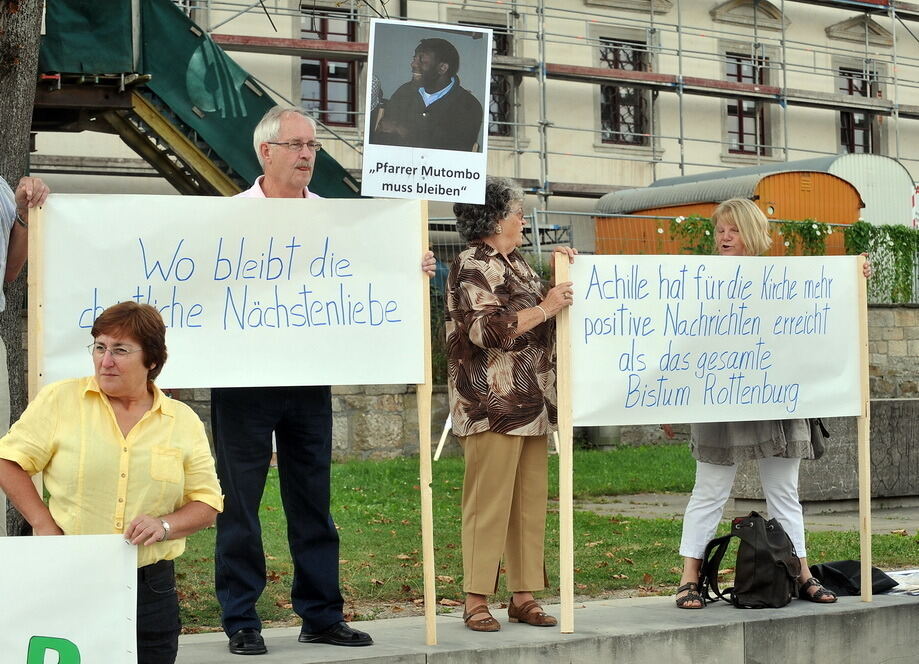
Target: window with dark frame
[[501, 92], [328, 87], [187, 6], [855, 128], [746, 117], [624, 111]]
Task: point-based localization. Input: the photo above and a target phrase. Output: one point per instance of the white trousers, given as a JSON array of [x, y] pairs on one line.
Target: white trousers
[[779, 477]]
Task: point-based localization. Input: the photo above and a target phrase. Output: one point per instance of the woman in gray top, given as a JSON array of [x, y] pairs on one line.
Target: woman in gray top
[[741, 229]]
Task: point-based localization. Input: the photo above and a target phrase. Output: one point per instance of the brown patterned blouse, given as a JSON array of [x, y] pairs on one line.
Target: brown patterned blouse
[[497, 382]]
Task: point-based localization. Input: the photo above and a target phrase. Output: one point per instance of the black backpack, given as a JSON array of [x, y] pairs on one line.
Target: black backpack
[[767, 566]]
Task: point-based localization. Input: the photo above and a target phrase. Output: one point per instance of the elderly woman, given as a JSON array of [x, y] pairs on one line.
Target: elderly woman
[[501, 366], [741, 229], [118, 456]]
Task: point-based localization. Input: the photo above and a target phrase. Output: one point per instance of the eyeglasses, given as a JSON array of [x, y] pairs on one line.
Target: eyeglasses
[[297, 146], [118, 352], [519, 212]]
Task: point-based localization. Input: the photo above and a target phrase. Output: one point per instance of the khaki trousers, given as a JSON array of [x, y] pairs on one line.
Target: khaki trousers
[[505, 490]]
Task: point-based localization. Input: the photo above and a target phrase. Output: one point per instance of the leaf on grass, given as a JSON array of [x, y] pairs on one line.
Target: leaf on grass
[[406, 588], [676, 570], [594, 543], [270, 508], [446, 601], [647, 579], [376, 582], [273, 576], [901, 531], [602, 563], [343, 561], [620, 576], [403, 556], [443, 578], [349, 616], [628, 561], [418, 602], [396, 608], [581, 586], [722, 572], [283, 604], [609, 554]]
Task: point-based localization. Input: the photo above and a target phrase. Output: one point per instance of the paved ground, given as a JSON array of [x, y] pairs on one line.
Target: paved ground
[[646, 630], [902, 515]]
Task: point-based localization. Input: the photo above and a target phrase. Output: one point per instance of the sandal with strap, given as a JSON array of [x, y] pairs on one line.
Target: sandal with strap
[[692, 595], [488, 624], [819, 595], [530, 613]]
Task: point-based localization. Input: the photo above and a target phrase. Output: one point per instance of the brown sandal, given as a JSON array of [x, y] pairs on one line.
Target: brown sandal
[[821, 595], [488, 624], [530, 613], [692, 595]]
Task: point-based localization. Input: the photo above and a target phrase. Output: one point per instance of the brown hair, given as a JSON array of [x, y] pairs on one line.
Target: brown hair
[[141, 321], [751, 223]]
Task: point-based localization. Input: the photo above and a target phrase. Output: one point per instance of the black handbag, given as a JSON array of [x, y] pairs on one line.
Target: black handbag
[[844, 577], [819, 434], [767, 566]]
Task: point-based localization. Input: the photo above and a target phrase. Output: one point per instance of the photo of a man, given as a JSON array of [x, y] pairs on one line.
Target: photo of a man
[[433, 109]]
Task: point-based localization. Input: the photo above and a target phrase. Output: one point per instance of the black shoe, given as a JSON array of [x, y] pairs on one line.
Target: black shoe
[[339, 634], [247, 641]]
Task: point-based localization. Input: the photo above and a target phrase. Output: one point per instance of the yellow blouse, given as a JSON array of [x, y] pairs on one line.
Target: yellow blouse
[[97, 478]]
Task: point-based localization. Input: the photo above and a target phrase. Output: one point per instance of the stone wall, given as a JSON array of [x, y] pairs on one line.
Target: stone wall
[[381, 421], [893, 346], [369, 421], [894, 440]]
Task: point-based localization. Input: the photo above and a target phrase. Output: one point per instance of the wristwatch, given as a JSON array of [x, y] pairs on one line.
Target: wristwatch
[[166, 529]]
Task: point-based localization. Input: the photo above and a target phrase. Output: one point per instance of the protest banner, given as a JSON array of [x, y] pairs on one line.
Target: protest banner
[[708, 339], [254, 292], [432, 146], [677, 339], [68, 599]]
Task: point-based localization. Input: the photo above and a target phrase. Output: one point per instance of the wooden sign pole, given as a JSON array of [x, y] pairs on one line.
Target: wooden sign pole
[[565, 461], [423, 395], [864, 437], [34, 322]]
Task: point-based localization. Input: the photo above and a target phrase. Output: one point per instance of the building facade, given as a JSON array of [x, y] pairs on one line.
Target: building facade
[[586, 95]]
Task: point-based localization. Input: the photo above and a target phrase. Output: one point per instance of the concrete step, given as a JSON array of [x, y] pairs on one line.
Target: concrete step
[[627, 631]]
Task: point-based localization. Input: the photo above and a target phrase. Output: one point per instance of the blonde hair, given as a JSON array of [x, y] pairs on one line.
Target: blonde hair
[[750, 221]]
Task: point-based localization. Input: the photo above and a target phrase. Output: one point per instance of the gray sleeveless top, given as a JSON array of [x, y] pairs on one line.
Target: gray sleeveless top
[[729, 443]]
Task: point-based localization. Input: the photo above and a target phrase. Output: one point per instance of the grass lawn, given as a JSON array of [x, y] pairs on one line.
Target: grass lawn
[[376, 508]]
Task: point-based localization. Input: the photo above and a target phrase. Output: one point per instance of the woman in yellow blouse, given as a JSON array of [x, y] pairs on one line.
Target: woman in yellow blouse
[[118, 456]]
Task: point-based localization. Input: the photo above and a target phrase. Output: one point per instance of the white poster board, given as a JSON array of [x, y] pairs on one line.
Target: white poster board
[[68, 599], [660, 339], [408, 152], [254, 292]]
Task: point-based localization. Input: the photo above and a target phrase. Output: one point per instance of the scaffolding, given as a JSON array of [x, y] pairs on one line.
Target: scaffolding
[[675, 48]]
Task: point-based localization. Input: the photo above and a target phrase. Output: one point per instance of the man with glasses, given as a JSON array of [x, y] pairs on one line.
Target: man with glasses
[[14, 235], [244, 419]]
